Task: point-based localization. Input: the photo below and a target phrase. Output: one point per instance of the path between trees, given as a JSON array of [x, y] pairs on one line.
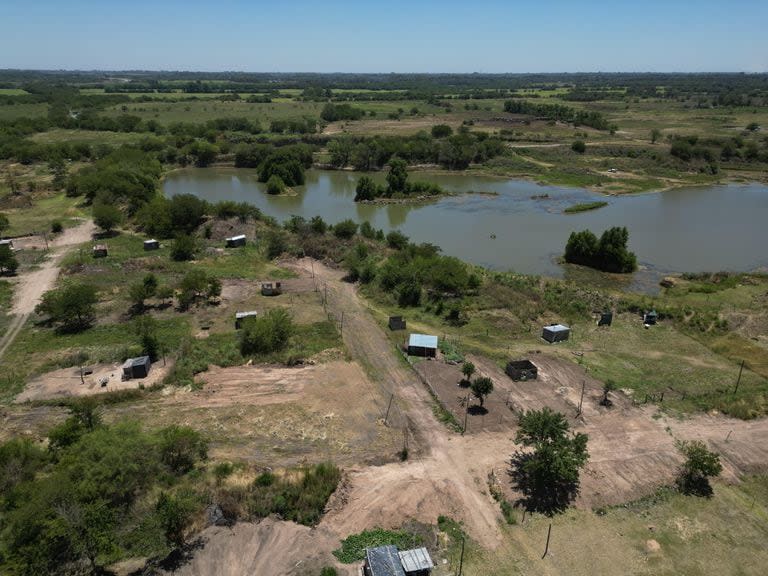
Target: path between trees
[[30, 286]]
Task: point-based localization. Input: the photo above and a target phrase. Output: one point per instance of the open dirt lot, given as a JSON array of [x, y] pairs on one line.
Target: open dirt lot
[[66, 383]]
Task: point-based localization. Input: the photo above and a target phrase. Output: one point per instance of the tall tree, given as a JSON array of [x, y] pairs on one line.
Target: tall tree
[[548, 476]]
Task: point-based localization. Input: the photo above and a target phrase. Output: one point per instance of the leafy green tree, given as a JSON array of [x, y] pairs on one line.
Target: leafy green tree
[[397, 177], [409, 293], [186, 212], [141, 291], [8, 262], [183, 248], [481, 388], [145, 328], [277, 244], [345, 229], [318, 225], [365, 190], [106, 216], [71, 307], [609, 254], [579, 146], [397, 240], [4, 224], [175, 514], [57, 227], [266, 333], [275, 185], [340, 150], [181, 447], [699, 466], [548, 476], [468, 370]]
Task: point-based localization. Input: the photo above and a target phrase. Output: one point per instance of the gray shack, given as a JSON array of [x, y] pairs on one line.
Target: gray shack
[[235, 241], [241, 316], [100, 251], [650, 318], [151, 245], [136, 367], [522, 370], [271, 289], [556, 333], [7, 242], [396, 323], [422, 345], [388, 561]]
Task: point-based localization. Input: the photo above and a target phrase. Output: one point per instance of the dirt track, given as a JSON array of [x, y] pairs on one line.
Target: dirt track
[[31, 286]]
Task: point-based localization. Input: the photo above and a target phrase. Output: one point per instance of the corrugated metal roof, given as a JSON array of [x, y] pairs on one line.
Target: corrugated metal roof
[[557, 327], [239, 315], [384, 561], [422, 341], [416, 559], [131, 362]]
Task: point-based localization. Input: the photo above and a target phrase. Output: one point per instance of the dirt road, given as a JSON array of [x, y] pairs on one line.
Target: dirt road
[[30, 286]]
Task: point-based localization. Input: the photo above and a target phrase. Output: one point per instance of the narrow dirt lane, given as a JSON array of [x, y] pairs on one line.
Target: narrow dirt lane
[[30, 286]]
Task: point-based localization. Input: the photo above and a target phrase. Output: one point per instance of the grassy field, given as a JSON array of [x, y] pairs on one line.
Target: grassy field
[[13, 111], [696, 537], [6, 295], [38, 218], [87, 137]]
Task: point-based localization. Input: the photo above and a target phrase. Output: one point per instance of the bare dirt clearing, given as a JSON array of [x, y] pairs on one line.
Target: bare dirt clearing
[[66, 383], [270, 547]]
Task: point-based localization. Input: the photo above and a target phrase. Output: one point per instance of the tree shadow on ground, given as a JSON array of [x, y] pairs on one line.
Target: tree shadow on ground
[[695, 486], [477, 410], [179, 556], [541, 493]]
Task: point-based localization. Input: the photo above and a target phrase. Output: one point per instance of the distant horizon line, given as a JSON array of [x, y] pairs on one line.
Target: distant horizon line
[[390, 73]]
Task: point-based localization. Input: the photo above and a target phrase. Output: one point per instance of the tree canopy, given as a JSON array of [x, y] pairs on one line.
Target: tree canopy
[[548, 476], [609, 254], [700, 464], [71, 307]]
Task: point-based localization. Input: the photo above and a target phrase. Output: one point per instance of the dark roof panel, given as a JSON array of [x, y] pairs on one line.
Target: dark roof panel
[[384, 561]]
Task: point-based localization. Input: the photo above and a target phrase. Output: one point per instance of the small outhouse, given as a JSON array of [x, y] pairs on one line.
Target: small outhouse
[[396, 323], [271, 289], [100, 251], [241, 316], [136, 367], [151, 245], [235, 241], [522, 370], [556, 333]]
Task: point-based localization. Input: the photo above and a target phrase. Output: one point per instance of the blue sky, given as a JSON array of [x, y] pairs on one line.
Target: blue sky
[[393, 36]]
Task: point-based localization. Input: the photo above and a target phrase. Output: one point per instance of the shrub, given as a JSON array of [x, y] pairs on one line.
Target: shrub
[[579, 146], [72, 306], [266, 334], [353, 547], [57, 227], [183, 248], [345, 229], [275, 185]]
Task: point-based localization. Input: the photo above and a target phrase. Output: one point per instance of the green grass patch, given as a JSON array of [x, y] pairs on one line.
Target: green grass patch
[[584, 207], [353, 547], [39, 217]]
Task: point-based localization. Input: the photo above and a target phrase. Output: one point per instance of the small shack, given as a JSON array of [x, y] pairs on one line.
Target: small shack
[[8, 242], [556, 333], [136, 367], [388, 561], [271, 289], [606, 319], [241, 316], [650, 318], [422, 345], [522, 370], [235, 241], [396, 323], [100, 251], [151, 245]]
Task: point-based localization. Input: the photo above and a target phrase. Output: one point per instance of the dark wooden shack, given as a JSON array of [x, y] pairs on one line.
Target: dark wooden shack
[[396, 323], [271, 289], [522, 370], [241, 316], [100, 251], [151, 245], [606, 319], [136, 367]]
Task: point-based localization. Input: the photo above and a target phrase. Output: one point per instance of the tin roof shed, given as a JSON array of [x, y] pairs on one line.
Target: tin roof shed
[[384, 561], [416, 560], [422, 341]]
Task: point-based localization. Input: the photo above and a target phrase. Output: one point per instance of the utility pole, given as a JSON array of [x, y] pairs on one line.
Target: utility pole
[[392, 397], [546, 548], [466, 414], [738, 380], [341, 326], [581, 400]]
